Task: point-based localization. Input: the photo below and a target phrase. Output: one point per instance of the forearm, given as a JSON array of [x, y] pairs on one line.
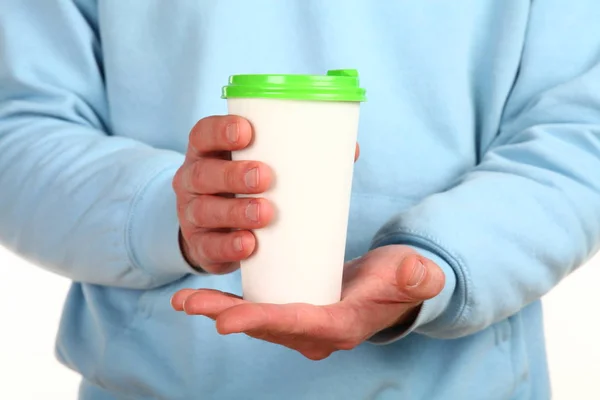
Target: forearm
[[513, 227], [528, 214], [92, 207], [502, 255]]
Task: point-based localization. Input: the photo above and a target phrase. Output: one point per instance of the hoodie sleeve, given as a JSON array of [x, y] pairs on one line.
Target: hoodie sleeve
[[529, 213], [92, 207]]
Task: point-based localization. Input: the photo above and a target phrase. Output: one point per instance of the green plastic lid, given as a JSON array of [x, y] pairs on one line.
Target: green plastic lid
[[337, 85]]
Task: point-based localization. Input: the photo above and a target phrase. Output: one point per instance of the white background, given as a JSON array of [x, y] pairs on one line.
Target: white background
[[31, 301]]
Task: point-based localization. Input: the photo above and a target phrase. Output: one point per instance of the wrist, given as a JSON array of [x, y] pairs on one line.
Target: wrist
[[152, 230]]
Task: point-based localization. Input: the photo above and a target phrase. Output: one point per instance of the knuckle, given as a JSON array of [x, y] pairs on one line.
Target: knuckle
[[198, 134], [199, 212], [194, 247], [210, 252], [212, 249], [179, 179], [203, 248], [226, 250], [176, 183], [193, 133], [231, 175], [194, 138], [181, 210], [190, 212], [207, 211], [236, 213], [215, 216], [196, 177]]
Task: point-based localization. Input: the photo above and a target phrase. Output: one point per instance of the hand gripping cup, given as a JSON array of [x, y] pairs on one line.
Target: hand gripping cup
[[305, 129]]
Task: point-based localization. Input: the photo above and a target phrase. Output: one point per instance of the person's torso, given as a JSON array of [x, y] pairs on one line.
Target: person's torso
[[437, 76]]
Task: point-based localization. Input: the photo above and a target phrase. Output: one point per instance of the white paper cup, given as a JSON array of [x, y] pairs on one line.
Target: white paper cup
[[309, 142]]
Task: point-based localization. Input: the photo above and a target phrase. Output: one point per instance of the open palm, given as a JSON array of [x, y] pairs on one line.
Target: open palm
[[384, 288]]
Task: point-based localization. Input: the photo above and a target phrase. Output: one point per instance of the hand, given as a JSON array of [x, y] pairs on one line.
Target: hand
[[215, 226], [382, 289], [206, 207]]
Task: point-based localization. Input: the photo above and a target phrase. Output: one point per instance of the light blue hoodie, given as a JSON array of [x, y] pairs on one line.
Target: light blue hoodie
[[480, 147]]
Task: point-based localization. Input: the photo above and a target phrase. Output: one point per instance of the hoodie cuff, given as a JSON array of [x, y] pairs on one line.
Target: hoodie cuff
[[430, 309], [153, 231]]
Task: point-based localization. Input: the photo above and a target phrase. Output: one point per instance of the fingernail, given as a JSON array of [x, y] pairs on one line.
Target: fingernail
[[238, 244], [417, 274], [252, 211], [251, 178], [232, 133]]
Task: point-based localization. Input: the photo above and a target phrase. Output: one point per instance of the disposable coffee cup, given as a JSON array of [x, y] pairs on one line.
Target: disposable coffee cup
[[305, 129]]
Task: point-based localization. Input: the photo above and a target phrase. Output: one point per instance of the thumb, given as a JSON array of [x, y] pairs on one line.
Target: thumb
[[419, 278]]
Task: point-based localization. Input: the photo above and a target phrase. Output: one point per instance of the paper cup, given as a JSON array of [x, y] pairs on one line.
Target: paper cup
[[305, 129]]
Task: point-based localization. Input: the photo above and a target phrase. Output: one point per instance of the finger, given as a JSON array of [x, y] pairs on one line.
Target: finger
[[311, 349], [219, 133], [210, 303], [219, 212], [221, 268], [356, 152], [419, 278], [302, 320], [213, 175], [315, 353], [220, 252], [179, 297]]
